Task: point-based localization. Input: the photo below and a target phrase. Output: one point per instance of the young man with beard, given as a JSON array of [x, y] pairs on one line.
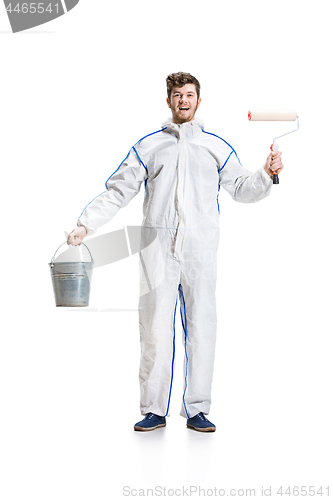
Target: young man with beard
[[182, 167]]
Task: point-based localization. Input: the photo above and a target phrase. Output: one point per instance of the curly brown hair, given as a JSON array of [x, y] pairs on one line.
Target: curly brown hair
[[179, 80]]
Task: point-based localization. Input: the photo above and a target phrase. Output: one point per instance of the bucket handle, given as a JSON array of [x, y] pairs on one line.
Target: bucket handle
[[52, 260]]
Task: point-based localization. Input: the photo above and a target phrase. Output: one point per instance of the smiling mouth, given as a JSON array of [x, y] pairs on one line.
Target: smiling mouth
[[184, 109]]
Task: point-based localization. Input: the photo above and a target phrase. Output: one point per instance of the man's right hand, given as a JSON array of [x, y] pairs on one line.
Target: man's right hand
[[76, 236]]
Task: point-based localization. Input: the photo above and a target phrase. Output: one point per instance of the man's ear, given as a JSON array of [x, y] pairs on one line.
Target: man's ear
[[199, 101], [168, 102]]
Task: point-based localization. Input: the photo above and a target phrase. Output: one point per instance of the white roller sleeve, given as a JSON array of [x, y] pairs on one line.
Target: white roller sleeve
[[272, 115]]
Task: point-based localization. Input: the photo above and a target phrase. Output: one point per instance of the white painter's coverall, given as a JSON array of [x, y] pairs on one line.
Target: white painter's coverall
[[182, 167]]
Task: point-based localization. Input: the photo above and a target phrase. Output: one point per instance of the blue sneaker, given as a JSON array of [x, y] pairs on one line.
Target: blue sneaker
[[150, 422], [200, 423]]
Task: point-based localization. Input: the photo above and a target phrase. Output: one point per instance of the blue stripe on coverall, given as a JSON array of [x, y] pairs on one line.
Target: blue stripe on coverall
[[184, 323], [161, 130], [106, 183], [173, 357], [121, 165], [224, 164], [209, 133]]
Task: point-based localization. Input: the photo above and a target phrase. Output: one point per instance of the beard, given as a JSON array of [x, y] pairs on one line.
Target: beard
[[183, 118]]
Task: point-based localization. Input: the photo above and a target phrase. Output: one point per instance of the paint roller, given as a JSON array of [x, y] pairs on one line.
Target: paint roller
[[274, 115]]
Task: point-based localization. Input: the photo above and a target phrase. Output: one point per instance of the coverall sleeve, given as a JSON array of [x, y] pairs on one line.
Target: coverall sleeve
[[121, 187], [241, 184]]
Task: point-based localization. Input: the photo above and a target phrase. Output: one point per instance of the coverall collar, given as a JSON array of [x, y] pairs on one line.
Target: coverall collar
[[188, 129]]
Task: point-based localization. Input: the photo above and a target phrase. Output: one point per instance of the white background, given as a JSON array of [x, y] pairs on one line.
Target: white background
[[76, 94]]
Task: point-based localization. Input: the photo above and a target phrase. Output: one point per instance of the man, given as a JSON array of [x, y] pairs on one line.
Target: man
[[182, 167]]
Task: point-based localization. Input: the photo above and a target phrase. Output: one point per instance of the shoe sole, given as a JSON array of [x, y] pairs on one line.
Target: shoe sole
[[137, 428], [204, 429]]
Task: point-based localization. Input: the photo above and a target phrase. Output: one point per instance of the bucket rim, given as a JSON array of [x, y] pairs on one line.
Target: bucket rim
[[72, 262]]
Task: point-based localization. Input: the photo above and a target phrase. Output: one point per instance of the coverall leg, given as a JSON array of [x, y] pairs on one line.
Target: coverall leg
[[159, 281], [193, 277], [199, 318]]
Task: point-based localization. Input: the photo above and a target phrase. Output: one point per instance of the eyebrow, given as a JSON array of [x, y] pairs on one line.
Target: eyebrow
[[178, 92]]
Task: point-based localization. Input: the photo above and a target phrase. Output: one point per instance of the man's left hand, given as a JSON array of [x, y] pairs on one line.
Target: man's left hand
[[273, 163]]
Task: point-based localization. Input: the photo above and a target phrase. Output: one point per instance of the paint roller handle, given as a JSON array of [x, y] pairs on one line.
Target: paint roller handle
[[275, 147]]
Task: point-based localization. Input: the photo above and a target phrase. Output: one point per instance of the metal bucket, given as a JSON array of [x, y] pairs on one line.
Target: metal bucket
[[71, 281]]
